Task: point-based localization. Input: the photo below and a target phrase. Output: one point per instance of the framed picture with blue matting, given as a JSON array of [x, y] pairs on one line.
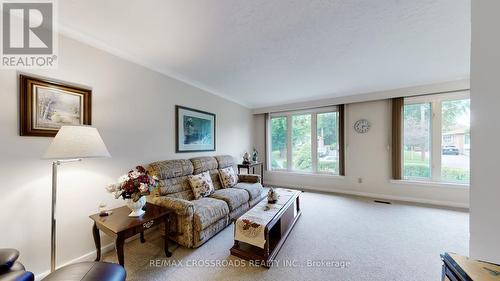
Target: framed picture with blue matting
[[194, 130]]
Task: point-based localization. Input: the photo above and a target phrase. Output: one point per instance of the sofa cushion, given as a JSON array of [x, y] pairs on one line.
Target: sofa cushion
[[171, 168], [215, 178], [173, 178], [225, 161], [228, 177], [254, 189], [178, 187], [180, 206], [207, 211], [203, 164], [233, 197], [201, 184]]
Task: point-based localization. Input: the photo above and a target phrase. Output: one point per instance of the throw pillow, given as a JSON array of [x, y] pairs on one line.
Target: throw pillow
[[228, 177], [201, 184]]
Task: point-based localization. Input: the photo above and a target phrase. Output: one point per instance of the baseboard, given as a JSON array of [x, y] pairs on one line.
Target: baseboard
[[376, 195], [91, 255], [86, 257]]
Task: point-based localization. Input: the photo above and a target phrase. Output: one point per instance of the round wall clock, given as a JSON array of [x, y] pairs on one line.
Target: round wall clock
[[362, 126]]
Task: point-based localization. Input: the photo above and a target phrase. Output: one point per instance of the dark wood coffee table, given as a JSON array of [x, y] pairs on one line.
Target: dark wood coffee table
[[120, 226], [275, 232]]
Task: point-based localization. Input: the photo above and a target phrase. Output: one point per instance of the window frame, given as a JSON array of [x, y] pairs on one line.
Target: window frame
[[314, 140], [436, 136], [269, 141]]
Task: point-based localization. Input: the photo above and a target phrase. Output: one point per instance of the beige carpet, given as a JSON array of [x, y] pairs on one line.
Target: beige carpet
[[361, 240]]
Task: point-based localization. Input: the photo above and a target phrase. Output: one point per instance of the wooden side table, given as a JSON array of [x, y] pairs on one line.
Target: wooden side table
[[252, 166], [461, 268], [120, 226]]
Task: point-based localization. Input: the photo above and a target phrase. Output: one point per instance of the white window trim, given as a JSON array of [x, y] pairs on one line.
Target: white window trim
[[301, 173], [436, 130], [304, 111], [314, 143], [424, 183]]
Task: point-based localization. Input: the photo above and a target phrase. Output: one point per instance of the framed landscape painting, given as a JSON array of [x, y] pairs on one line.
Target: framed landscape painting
[[47, 105], [194, 130]]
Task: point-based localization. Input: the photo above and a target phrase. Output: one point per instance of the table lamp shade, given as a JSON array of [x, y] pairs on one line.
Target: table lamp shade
[[77, 142]]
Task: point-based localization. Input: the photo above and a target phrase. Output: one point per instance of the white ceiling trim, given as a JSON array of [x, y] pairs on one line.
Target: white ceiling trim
[[450, 86], [89, 40]]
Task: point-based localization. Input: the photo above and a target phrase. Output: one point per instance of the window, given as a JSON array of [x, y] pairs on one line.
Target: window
[[305, 141], [278, 140], [417, 141], [455, 159], [301, 143], [436, 138], [328, 150]]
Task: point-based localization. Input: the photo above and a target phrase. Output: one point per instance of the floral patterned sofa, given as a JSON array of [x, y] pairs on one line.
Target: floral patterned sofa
[[196, 221]]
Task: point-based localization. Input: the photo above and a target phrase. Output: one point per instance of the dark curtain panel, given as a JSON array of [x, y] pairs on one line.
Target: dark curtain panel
[[397, 132], [266, 142], [341, 140]]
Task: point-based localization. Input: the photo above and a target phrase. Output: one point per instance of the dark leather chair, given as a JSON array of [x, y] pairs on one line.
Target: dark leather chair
[[11, 269], [88, 271]]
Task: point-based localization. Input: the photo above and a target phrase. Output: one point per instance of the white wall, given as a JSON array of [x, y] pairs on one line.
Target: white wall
[[485, 94], [367, 156], [455, 85], [133, 108]]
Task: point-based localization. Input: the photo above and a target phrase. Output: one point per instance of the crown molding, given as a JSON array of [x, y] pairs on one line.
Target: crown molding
[[89, 40], [448, 86]]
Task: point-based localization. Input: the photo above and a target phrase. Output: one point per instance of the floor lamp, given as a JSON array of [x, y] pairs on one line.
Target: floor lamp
[[72, 143]]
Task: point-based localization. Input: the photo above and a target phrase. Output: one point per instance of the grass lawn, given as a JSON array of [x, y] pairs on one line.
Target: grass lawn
[[416, 167], [414, 157]]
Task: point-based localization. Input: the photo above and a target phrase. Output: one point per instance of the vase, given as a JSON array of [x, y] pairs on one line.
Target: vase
[[136, 207]]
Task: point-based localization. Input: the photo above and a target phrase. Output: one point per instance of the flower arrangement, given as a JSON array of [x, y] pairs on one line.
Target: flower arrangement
[[134, 184]]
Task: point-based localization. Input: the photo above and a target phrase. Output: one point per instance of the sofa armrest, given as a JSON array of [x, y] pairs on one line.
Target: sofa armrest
[[180, 206], [249, 178]]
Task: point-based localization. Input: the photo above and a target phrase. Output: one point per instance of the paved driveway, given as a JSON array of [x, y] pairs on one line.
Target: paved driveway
[[455, 161]]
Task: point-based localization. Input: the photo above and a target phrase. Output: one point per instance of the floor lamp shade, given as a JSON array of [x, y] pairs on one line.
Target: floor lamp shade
[[72, 143], [77, 142]]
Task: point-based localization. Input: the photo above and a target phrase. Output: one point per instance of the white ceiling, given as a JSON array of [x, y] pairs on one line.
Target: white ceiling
[[267, 52]]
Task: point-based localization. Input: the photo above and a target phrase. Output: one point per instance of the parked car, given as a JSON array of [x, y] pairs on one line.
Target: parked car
[[322, 151], [450, 150]]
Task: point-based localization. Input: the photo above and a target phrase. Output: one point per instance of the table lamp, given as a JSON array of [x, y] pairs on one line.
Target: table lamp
[[72, 143]]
